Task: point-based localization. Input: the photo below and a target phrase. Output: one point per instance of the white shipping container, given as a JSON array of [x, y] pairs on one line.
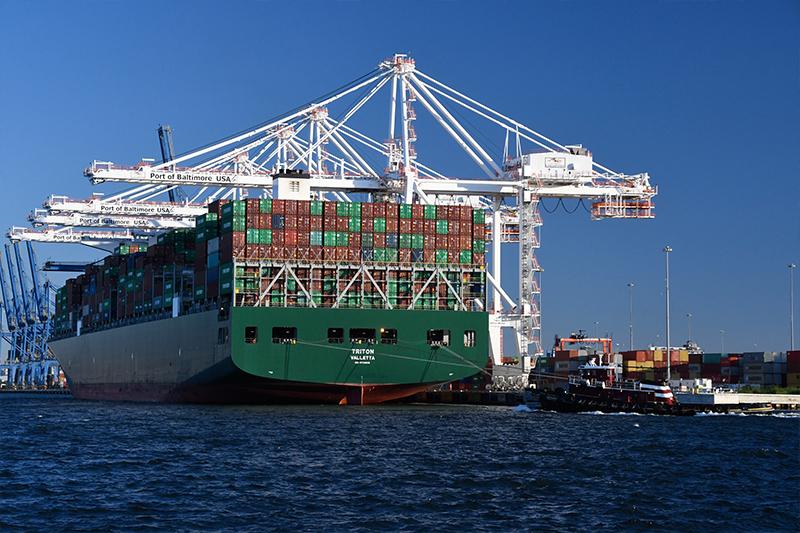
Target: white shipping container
[[213, 245]]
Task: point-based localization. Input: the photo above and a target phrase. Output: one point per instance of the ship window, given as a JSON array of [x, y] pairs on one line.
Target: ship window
[[362, 335], [439, 337], [469, 338], [251, 334], [335, 335], [388, 336], [222, 336], [284, 335]]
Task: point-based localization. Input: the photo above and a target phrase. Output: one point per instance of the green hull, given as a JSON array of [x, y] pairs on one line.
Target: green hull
[[309, 354]]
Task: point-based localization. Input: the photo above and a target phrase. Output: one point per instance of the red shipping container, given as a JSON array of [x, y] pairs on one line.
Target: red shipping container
[[265, 221], [303, 222], [695, 358], [379, 240], [418, 211], [465, 243], [290, 238], [304, 207], [430, 242], [315, 253], [252, 219], [330, 209], [291, 221], [212, 289], [291, 207], [429, 254], [418, 225], [316, 223], [342, 253], [404, 255], [393, 225], [252, 206], [199, 277], [379, 210], [405, 224], [342, 224], [355, 240], [278, 237], [429, 227], [303, 239], [392, 211], [367, 209], [478, 259], [329, 253], [479, 231], [354, 255], [453, 256]]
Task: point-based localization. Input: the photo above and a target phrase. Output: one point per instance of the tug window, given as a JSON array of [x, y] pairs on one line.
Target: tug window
[[469, 339], [335, 335], [388, 336], [439, 337], [284, 335], [251, 334], [362, 335]]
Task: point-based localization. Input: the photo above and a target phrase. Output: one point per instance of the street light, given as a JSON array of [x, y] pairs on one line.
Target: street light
[[722, 341], [689, 318], [630, 290], [667, 250], [595, 329], [791, 301]]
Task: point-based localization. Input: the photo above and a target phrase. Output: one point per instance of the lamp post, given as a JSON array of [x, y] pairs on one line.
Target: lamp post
[[689, 318], [791, 301], [595, 329], [667, 250], [722, 341], [630, 290]]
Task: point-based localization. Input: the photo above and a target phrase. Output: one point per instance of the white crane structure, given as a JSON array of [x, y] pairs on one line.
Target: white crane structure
[[338, 161]]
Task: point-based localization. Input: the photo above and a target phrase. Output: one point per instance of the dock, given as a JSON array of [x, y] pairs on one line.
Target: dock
[[781, 402]]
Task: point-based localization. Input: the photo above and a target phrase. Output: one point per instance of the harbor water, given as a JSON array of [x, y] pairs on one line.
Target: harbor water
[[69, 465]]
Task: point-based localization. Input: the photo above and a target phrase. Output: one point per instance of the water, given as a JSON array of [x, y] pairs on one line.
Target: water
[[69, 465]]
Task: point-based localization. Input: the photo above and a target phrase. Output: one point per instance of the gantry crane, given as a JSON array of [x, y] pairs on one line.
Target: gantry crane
[[29, 319], [338, 161]]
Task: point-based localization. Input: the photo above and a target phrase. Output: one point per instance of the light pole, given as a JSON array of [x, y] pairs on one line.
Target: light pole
[[689, 318], [630, 290], [722, 341], [667, 250], [595, 329], [791, 301]]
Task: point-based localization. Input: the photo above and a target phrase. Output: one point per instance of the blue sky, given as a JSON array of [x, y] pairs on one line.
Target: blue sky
[[704, 96]]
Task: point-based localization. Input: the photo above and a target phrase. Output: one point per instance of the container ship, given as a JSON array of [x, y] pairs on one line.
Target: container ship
[[282, 301]]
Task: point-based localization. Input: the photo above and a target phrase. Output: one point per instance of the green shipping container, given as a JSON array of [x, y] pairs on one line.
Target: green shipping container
[[343, 239], [317, 208], [225, 271], [265, 206], [330, 238], [405, 240], [379, 225], [226, 286], [478, 246], [392, 255], [441, 257], [316, 238], [367, 240], [478, 216], [465, 257], [417, 240], [442, 227], [430, 212], [200, 292], [343, 209], [253, 236], [406, 211], [266, 236], [354, 224]]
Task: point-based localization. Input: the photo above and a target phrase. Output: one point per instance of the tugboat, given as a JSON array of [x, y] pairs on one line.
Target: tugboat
[[597, 388]]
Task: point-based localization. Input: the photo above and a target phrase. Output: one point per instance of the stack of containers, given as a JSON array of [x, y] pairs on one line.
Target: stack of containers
[[652, 364], [752, 367], [793, 368], [729, 368]]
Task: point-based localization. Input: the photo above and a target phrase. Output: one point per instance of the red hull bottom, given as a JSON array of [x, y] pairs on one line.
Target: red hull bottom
[[264, 392]]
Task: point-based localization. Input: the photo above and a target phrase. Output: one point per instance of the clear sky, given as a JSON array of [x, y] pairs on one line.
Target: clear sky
[[704, 96]]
